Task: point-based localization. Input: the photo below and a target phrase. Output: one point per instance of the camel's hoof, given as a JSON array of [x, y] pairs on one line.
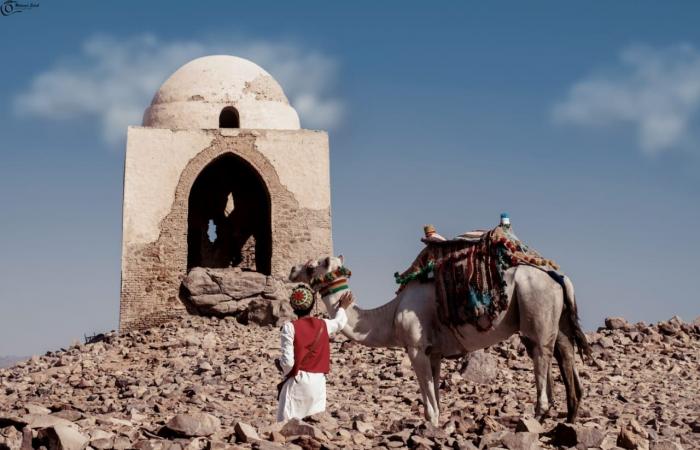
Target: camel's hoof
[[547, 414], [431, 423]]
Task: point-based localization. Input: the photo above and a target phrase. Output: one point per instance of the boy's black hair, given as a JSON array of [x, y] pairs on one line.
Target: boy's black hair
[[305, 312]]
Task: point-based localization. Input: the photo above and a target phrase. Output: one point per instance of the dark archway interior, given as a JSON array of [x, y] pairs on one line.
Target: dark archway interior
[[229, 118], [229, 217]]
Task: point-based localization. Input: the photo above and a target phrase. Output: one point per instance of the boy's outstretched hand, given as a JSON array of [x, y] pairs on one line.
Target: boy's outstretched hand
[[346, 300]]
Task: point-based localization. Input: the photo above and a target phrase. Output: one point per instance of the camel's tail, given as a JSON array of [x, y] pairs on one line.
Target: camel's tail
[[572, 313]]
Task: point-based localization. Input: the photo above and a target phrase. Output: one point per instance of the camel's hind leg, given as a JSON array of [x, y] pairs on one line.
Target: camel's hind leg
[[565, 354], [550, 386], [540, 305], [529, 346], [541, 356], [424, 372]]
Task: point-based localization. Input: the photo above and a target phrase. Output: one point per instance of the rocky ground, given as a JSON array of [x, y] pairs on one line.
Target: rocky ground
[[210, 384]]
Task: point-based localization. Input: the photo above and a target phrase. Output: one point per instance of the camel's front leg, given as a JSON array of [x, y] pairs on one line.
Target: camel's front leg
[[424, 373], [435, 362]]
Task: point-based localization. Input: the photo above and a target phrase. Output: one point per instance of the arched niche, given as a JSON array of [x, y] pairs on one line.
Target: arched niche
[[229, 221], [229, 118]]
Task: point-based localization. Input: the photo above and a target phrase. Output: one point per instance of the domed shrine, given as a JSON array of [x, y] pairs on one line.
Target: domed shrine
[[223, 193]]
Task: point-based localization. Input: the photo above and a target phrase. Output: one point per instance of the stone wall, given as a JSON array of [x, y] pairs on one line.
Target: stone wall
[[161, 167]]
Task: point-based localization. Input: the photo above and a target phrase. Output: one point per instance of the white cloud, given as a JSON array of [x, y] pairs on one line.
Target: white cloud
[[113, 80], [655, 90]]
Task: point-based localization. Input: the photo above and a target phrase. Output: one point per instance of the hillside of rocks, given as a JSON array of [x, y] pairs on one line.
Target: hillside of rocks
[[207, 383]]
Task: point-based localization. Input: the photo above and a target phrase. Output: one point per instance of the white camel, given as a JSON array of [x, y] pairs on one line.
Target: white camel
[[539, 307]]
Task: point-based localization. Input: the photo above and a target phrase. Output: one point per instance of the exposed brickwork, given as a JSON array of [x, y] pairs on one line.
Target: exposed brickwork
[[152, 273]]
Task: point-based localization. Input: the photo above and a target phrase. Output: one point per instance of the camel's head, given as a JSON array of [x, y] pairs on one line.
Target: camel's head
[[315, 269]]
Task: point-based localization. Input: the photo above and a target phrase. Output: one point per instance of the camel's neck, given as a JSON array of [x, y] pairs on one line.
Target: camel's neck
[[371, 327]]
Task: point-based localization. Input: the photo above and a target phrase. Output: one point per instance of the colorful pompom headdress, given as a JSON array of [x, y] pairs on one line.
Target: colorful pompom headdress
[[301, 298]]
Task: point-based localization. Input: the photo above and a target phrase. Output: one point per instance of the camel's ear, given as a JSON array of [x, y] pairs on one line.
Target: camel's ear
[[342, 260], [310, 266], [294, 273]]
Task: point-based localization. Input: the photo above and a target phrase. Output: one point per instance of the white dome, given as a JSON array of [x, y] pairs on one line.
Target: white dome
[[196, 94]]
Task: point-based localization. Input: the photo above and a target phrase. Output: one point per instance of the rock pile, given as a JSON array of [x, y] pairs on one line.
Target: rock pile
[[209, 383], [249, 296]]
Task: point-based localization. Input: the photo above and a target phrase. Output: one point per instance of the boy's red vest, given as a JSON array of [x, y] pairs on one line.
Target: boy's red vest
[[309, 356]]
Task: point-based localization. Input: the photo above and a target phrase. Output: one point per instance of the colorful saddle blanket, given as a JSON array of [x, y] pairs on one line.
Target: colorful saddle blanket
[[469, 275]]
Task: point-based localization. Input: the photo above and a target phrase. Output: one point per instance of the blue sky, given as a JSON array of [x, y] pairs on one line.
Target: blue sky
[[580, 120]]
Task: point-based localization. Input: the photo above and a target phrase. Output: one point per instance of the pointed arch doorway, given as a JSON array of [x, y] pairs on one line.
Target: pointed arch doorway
[[229, 220]]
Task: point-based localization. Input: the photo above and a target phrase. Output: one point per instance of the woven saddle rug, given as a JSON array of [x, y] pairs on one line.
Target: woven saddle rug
[[469, 275]]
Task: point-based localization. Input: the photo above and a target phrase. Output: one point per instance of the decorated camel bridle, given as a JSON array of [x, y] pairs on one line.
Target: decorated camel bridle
[[331, 282]]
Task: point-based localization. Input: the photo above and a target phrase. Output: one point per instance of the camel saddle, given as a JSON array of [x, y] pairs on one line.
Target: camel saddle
[[468, 272]]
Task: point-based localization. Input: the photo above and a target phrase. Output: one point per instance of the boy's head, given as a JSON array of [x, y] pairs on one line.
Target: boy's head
[[302, 300]]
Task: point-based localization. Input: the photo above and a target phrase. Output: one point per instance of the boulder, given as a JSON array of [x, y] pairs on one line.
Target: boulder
[[589, 436], [102, 443], [696, 324], [10, 438], [297, 427], [529, 425], [12, 421], [230, 307], [323, 420], [61, 437], [276, 436], [263, 312], [121, 443], [239, 285], [245, 433], [362, 427], [606, 342], [492, 439], [564, 435], [633, 437], [198, 282], [193, 424], [309, 443], [421, 442], [616, 323], [669, 328], [250, 296], [35, 408], [480, 367], [207, 301], [37, 421], [521, 441]]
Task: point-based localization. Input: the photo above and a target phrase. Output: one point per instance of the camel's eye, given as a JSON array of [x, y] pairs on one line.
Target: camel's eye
[[309, 270], [327, 261]]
